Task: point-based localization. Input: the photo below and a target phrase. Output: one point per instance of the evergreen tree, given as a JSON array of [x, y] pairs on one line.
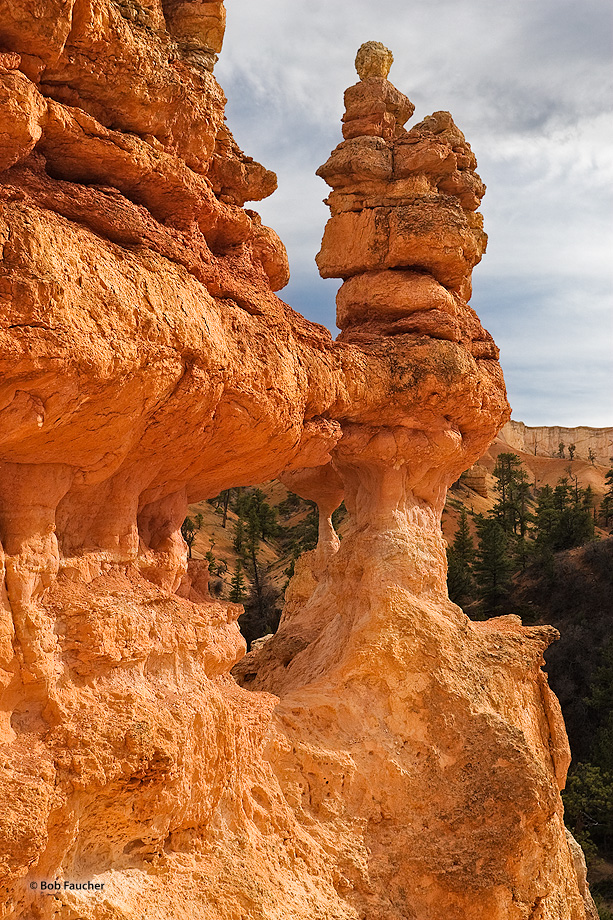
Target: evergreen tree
[[225, 497], [564, 517], [545, 518], [606, 507], [492, 567], [460, 557], [521, 553], [512, 510], [239, 533], [588, 503], [210, 558], [266, 515], [575, 524], [237, 583], [589, 795], [588, 805], [260, 523], [253, 502], [188, 532], [522, 501], [600, 703]]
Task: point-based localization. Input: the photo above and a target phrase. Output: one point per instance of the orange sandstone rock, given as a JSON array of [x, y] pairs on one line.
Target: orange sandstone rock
[[395, 759], [21, 109], [440, 734]]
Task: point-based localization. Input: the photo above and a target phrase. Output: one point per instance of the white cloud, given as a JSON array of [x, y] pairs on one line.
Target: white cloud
[[530, 84]]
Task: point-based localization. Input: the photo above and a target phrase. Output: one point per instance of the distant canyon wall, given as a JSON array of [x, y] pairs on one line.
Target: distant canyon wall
[[548, 438]]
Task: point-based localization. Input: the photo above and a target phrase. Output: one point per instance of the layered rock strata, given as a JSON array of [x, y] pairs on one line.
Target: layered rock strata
[[405, 233], [544, 441], [401, 761]]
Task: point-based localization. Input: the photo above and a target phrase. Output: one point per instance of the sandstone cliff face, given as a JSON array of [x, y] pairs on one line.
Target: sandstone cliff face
[[545, 440], [396, 760]]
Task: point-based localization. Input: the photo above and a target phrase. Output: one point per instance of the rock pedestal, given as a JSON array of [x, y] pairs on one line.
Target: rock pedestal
[[439, 746]]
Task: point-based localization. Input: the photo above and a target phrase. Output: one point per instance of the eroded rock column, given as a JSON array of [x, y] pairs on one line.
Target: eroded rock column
[[426, 750]]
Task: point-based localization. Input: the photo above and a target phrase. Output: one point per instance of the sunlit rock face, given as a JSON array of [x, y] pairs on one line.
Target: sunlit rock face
[[384, 758], [427, 750]]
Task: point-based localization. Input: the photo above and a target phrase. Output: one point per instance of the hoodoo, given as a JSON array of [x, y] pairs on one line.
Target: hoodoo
[[381, 757]]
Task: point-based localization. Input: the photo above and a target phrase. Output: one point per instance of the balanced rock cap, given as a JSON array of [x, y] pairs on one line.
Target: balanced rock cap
[[373, 60]]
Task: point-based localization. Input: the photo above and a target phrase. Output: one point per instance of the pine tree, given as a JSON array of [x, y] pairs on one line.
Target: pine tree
[[576, 524], [225, 498], [239, 534], [606, 507], [522, 550], [188, 532], [210, 558], [266, 515], [512, 510], [237, 583], [600, 702], [588, 806], [588, 798], [564, 517], [492, 565], [253, 502], [460, 557]]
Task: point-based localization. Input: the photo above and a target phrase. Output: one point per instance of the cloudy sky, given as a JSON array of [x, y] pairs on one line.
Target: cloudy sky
[[530, 83]]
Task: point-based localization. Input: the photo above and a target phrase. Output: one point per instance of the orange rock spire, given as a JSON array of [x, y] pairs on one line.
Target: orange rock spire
[[404, 232]]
